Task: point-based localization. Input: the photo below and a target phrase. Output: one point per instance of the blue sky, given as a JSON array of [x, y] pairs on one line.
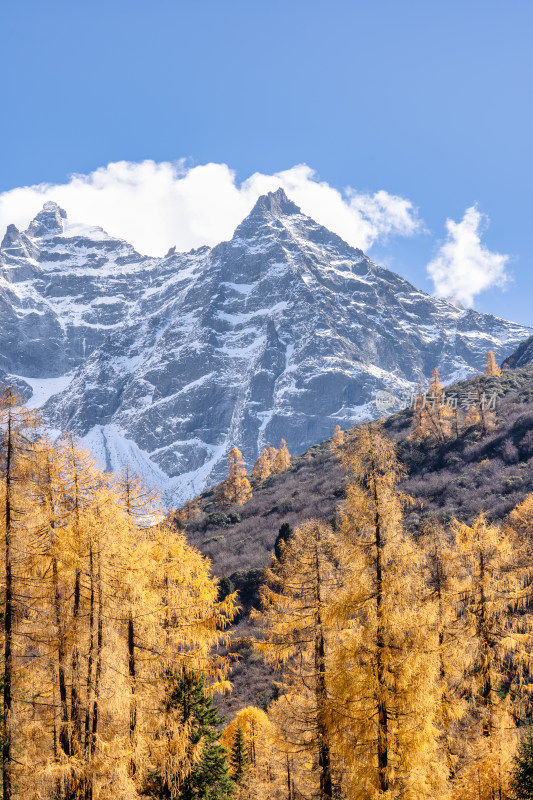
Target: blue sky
[[431, 102]]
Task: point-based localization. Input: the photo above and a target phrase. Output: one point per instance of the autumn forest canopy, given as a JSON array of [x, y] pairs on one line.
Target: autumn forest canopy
[[402, 655]]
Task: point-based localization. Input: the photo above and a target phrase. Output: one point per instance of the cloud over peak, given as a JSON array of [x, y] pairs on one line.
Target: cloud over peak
[[155, 206], [464, 266]]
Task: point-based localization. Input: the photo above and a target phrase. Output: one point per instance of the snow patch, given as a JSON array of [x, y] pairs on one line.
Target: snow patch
[[44, 388]]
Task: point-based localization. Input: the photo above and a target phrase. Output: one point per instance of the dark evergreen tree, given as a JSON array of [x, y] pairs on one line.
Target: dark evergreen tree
[[225, 587], [208, 777], [284, 534], [522, 778], [239, 756]]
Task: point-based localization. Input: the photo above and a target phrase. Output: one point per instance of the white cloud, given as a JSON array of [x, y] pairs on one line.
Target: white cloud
[[158, 205], [463, 266]]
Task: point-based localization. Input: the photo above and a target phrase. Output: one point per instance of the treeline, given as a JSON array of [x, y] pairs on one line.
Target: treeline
[[110, 627], [405, 659]]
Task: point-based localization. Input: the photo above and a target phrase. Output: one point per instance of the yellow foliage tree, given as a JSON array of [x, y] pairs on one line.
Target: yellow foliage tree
[[473, 417], [190, 511], [432, 416], [282, 461], [236, 489], [264, 465], [337, 439], [258, 734], [449, 633], [16, 426], [102, 606], [495, 590], [386, 672], [491, 367], [296, 637]]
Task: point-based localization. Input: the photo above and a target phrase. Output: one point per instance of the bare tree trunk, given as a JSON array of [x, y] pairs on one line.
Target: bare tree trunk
[[131, 647], [90, 657], [324, 754], [290, 792], [75, 702], [99, 647], [486, 685], [133, 701], [383, 754], [64, 737]]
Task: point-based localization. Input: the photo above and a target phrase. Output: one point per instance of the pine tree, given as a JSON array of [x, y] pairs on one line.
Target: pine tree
[[264, 464], [252, 743], [284, 534], [239, 759], [522, 775], [236, 489], [205, 775], [282, 461], [491, 367]]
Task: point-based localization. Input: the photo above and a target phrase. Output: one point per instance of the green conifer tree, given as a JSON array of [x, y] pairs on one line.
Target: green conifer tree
[[239, 756], [522, 778], [284, 534], [207, 777]]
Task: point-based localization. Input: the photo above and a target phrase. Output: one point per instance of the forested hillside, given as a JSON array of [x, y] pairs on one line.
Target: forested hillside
[[383, 643], [457, 477]]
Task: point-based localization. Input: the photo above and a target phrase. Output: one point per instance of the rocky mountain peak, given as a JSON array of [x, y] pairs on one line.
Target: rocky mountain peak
[[11, 238], [274, 205], [48, 222], [166, 364], [16, 245]]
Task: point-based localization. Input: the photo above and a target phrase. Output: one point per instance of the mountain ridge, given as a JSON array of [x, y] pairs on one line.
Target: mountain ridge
[[166, 363]]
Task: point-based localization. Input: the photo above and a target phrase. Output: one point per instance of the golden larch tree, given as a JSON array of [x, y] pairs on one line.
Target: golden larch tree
[[491, 367], [385, 675], [104, 606], [282, 461], [337, 440], [295, 636], [259, 742], [189, 512], [16, 427], [448, 635], [264, 465], [494, 591], [236, 489], [432, 416]]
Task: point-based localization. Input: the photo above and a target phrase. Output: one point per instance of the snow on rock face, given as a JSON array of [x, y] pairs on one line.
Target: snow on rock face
[[284, 331], [522, 356]]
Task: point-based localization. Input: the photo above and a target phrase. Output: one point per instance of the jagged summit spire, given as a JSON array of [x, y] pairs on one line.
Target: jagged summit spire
[[271, 206], [276, 203], [11, 237], [48, 222]]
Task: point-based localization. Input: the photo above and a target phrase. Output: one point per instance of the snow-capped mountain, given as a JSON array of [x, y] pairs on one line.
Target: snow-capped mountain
[[166, 363], [522, 356]]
